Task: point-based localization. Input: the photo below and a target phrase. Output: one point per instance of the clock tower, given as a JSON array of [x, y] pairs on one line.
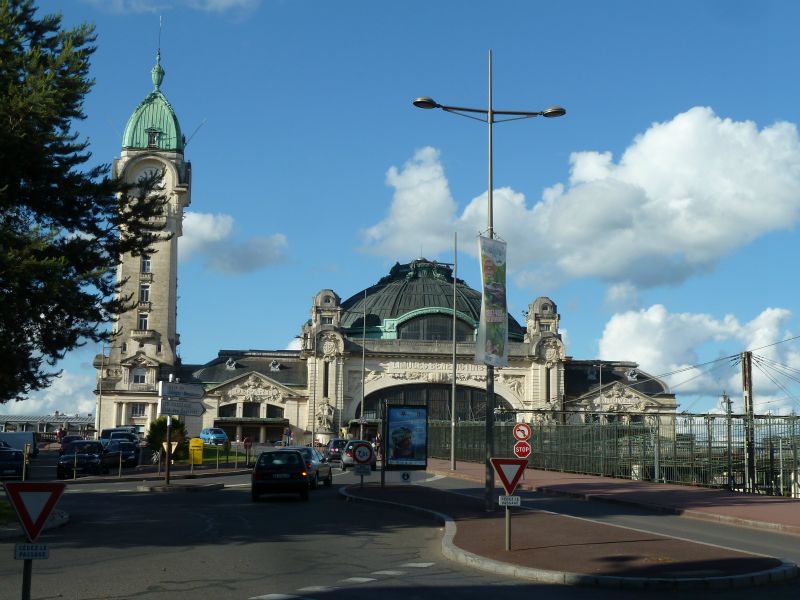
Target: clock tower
[[145, 341]]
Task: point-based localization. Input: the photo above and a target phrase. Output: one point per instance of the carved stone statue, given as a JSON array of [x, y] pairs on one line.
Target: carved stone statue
[[325, 416]]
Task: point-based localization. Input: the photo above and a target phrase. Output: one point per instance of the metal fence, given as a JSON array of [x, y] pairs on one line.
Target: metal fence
[[724, 451]]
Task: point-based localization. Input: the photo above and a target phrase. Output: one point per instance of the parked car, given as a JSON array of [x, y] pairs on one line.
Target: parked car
[[105, 434], [11, 462], [83, 456], [18, 439], [124, 436], [279, 472], [333, 451], [347, 454], [319, 469], [127, 450], [213, 435], [65, 441]]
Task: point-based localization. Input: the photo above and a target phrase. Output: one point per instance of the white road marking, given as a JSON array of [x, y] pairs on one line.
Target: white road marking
[[418, 565], [358, 580], [391, 573], [317, 588], [276, 597]]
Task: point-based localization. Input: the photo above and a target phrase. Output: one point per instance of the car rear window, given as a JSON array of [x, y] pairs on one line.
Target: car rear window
[[278, 458]]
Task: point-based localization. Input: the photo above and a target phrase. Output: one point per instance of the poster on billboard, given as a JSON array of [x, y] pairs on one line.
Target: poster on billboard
[[491, 347], [406, 437]]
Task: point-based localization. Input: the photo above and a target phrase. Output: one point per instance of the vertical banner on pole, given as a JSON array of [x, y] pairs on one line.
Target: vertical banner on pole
[[492, 343]]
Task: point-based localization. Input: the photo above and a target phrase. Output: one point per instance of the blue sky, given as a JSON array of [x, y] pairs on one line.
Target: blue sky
[[660, 214]]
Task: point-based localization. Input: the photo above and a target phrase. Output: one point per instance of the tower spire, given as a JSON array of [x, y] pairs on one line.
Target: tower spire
[[157, 73]]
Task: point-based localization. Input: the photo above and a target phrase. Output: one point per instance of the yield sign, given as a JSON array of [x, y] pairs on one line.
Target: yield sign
[[510, 471], [33, 502]]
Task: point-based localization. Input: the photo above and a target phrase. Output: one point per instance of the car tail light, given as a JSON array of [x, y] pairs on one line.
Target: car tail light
[[309, 465], [349, 453]]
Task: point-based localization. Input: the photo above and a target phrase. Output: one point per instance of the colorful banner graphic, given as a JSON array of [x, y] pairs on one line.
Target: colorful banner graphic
[[491, 347]]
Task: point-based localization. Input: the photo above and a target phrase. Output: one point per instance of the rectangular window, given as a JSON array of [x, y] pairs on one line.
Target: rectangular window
[[142, 323], [327, 320], [145, 264], [139, 376], [138, 409], [144, 293], [325, 379], [544, 327]]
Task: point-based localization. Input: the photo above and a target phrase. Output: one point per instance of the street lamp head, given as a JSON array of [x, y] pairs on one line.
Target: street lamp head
[[426, 102], [553, 111]]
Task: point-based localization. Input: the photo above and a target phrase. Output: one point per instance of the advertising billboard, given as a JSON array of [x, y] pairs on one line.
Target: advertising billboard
[[491, 347], [406, 442]]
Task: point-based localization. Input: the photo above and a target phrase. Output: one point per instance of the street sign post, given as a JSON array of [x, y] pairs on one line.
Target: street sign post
[[180, 390], [186, 408], [522, 450], [510, 471], [362, 459], [522, 432], [33, 503]]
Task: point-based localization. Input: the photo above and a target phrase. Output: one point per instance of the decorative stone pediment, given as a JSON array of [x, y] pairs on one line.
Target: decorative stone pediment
[[253, 387], [139, 360], [618, 397]]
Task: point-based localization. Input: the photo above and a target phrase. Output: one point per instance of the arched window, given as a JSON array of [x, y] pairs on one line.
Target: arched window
[[229, 410], [435, 327]]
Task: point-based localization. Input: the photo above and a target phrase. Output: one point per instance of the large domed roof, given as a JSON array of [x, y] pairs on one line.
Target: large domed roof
[[420, 284], [153, 124]]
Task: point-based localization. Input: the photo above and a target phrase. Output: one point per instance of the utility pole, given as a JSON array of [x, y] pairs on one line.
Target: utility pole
[[750, 451], [726, 400]]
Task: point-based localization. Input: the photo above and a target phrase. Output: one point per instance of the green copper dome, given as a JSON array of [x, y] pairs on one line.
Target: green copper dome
[[419, 287], [153, 124]]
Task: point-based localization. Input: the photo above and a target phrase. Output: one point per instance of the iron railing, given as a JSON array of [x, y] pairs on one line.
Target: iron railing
[[693, 449]]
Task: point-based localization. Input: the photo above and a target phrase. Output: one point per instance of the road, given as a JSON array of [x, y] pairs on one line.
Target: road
[[122, 543]]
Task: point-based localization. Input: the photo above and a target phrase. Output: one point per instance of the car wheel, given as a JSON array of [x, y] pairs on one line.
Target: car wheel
[[313, 483], [343, 466]]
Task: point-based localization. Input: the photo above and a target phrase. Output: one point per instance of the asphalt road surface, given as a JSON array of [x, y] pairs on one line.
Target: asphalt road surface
[[122, 543]]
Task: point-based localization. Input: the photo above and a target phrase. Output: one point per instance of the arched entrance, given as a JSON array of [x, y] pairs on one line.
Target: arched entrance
[[470, 402]]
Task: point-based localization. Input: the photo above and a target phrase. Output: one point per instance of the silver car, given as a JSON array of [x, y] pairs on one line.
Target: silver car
[[318, 467]]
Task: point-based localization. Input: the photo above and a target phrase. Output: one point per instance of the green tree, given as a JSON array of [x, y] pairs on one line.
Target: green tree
[[64, 226], [157, 434]]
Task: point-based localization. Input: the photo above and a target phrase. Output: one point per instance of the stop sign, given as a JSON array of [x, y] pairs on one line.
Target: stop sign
[[522, 449]]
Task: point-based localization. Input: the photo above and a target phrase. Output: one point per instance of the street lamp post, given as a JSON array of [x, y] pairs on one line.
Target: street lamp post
[[489, 115]]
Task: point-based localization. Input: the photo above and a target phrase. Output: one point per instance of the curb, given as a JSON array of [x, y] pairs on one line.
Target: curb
[[784, 572]]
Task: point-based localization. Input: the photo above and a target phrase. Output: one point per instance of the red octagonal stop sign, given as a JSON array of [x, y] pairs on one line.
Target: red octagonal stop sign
[[522, 449]]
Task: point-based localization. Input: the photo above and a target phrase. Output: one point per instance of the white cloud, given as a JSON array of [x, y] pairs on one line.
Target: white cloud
[[421, 210], [663, 342], [202, 231], [684, 194], [207, 235], [70, 394]]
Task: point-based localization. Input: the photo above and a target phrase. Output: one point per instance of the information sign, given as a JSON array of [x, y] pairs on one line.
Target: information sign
[[522, 431], [362, 469], [522, 449], [31, 551], [33, 503], [180, 390], [509, 470], [509, 501], [186, 408]]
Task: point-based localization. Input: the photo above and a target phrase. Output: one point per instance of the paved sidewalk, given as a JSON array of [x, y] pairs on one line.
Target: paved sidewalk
[[745, 510], [557, 549]]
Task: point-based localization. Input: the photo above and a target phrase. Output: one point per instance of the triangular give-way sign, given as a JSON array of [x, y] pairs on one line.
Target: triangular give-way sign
[[510, 471], [33, 502]]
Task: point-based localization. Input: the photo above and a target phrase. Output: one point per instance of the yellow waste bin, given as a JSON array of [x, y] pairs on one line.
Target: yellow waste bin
[[196, 451]]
